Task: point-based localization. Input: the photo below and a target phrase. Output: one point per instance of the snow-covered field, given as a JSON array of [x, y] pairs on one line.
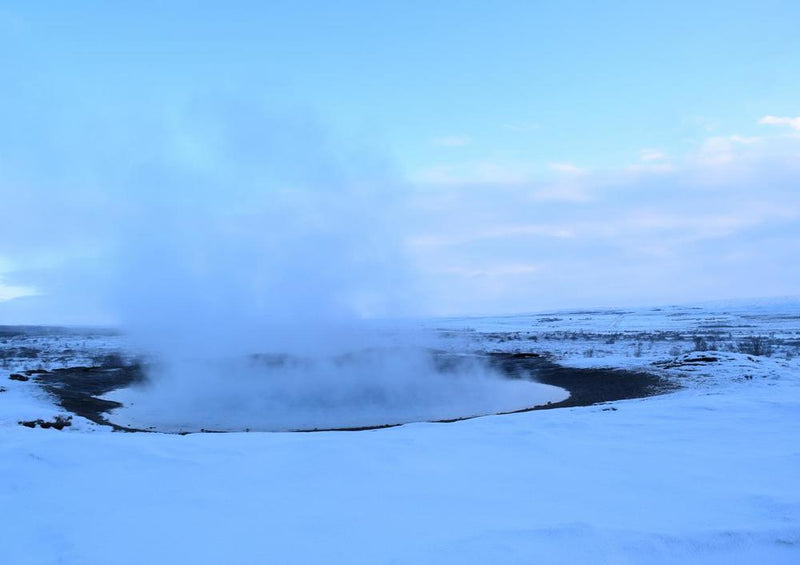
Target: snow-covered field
[[708, 474]]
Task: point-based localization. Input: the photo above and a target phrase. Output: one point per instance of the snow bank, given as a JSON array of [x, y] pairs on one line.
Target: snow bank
[[685, 478], [709, 474]]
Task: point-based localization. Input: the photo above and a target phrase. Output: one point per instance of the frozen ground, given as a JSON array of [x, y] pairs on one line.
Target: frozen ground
[[708, 474]]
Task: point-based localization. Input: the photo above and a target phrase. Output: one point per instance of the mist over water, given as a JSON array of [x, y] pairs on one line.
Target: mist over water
[[252, 271], [367, 388]]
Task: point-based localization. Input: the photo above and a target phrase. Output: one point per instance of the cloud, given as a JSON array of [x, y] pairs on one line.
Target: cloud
[[522, 127], [498, 232], [701, 122], [569, 191], [793, 123], [650, 167], [567, 168], [501, 270], [723, 150], [648, 155], [10, 292], [472, 173], [722, 220], [453, 141]]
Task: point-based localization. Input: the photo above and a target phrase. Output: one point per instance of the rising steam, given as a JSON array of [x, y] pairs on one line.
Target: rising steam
[[247, 268]]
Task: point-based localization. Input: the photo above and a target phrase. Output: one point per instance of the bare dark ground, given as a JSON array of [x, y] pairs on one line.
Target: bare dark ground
[[77, 388], [586, 386]]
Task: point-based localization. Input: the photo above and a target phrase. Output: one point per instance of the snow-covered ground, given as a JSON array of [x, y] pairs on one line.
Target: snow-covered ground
[[708, 474], [635, 337]]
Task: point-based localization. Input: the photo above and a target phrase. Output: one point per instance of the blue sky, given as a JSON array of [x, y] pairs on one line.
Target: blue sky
[[531, 110], [584, 82]]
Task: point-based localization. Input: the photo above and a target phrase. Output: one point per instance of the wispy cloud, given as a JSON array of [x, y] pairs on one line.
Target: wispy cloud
[[719, 220], [721, 150], [567, 168], [700, 122], [648, 155], [9, 292], [473, 172], [793, 123], [502, 270], [453, 141], [522, 127], [486, 235], [499, 232]]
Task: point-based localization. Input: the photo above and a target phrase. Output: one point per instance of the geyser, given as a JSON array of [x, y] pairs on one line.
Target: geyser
[[365, 389], [277, 247]]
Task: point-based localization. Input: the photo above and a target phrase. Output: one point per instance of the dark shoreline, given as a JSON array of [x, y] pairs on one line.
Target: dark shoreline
[[77, 389], [586, 386]]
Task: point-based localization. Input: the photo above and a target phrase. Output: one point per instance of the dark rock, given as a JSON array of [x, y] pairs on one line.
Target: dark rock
[[77, 389], [525, 355], [18, 377], [58, 423], [701, 360]]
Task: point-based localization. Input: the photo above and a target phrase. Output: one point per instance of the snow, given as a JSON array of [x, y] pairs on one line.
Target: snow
[[24, 401], [633, 337], [708, 474]]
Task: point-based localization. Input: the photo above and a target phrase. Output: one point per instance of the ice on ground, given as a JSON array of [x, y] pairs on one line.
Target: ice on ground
[[709, 474]]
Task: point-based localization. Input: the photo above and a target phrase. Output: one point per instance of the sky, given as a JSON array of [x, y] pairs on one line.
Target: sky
[[522, 155]]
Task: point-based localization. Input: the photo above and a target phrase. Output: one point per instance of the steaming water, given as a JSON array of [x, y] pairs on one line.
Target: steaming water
[[372, 388], [267, 238]]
